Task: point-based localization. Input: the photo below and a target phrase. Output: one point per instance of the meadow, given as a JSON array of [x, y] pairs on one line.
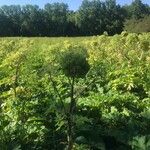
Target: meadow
[[110, 93]]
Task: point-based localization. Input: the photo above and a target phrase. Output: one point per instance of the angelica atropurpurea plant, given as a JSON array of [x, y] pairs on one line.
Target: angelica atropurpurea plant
[[74, 65]]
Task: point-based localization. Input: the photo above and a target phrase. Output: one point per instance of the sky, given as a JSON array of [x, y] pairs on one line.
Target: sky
[[73, 4]]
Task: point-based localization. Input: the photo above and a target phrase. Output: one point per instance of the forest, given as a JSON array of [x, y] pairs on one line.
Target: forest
[[92, 18]]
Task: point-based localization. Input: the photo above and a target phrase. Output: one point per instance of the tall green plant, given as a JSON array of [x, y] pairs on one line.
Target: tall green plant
[[74, 64]]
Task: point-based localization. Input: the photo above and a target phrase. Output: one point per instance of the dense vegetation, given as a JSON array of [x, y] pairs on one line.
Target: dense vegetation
[[93, 18], [91, 92], [138, 26]]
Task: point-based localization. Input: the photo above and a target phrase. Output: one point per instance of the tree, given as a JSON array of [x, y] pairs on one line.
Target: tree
[[11, 19], [114, 17], [95, 17], [5, 26], [32, 23], [137, 26], [56, 16], [137, 9], [90, 17], [72, 27]]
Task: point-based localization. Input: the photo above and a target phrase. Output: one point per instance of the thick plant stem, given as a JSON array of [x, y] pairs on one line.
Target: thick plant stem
[[70, 134], [70, 117]]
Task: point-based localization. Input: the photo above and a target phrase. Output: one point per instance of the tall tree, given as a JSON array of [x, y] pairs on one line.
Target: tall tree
[[114, 17], [32, 21], [5, 25], [137, 9], [95, 17], [12, 14], [90, 17], [72, 27], [56, 15]]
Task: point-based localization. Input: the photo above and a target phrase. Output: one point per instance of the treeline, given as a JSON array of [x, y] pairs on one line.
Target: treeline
[[92, 18]]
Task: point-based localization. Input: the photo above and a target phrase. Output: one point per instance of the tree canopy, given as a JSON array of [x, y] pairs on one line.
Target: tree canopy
[[92, 18]]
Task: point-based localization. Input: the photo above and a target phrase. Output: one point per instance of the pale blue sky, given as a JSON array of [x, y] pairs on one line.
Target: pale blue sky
[[73, 4]]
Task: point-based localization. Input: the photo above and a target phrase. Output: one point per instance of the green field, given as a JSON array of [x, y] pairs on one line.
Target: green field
[[112, 99]]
